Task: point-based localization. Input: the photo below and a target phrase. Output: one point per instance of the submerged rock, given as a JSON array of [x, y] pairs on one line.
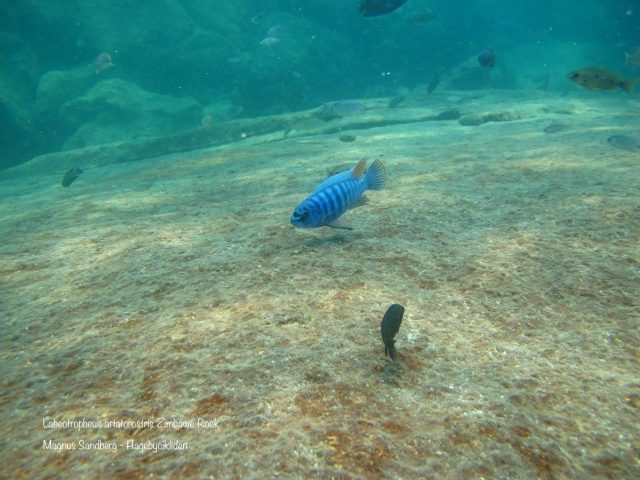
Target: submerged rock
[[57, 87], [19, 136], [117, 110]]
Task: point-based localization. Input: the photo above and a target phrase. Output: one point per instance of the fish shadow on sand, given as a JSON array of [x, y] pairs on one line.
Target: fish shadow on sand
[[410, 363], [391, 372], [338, 239]]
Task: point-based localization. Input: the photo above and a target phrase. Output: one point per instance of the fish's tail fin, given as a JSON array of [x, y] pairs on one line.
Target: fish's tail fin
[[376, 175], [390, 350], [630, 85]]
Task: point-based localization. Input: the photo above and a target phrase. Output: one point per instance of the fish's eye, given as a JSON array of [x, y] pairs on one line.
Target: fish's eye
[[304, 215]]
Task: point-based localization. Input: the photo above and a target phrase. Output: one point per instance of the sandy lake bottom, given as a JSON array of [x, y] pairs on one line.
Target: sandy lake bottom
[[175, 288]]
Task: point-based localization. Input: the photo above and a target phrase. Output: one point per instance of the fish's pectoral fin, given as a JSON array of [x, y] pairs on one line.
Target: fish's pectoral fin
[[363, 200], [339, 224]]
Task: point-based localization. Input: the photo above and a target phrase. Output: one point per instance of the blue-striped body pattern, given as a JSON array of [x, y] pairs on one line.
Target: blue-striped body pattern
[[337, 194]]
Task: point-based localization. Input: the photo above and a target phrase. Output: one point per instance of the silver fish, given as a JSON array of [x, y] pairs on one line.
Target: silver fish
[[343, 108], [624, 142], [556, 127]]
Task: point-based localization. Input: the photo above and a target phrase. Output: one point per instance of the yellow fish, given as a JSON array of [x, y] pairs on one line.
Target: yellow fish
[[597, 78]]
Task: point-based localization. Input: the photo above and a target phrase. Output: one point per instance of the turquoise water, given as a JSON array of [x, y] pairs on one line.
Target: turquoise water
[[161, 317], [172, 66]]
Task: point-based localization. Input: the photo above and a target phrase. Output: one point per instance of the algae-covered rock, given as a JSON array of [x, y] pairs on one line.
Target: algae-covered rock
[[18, 69], [221, 109], [117, 110], [57, 87]]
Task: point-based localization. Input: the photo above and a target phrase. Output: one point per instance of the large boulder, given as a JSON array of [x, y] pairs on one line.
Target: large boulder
[[117, 110], [19, 67], [57, 87]]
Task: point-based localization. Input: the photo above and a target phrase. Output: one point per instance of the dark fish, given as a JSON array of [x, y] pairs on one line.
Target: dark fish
[[435, 80], [544, 84], [395, 101], [487, 58], [374, 8], [71, 176], [624, 142], [452, 114], [389, 327], [422, 18], [596, 78], [347, 138], [556, 127]]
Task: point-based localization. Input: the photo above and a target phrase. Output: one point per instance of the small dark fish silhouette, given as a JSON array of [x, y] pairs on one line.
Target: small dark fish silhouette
[[624, 142], [374, 8], [435, 80], [487, 58], [422, 18], [452, 114], [347, 138], [556, 127], [389, 327], [70, 176], [395, 101]]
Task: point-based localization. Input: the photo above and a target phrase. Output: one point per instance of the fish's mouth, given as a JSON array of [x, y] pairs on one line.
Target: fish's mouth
[[299, 218], [298, 223]]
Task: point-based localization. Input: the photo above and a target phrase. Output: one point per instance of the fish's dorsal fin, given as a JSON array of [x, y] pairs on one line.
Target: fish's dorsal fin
[[363, 200], [359, 169], [337, 178]]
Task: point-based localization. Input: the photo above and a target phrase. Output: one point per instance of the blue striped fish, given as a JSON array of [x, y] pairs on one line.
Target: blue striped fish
[[336, 194]]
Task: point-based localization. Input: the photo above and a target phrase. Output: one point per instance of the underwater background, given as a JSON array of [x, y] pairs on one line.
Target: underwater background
[[163, 317], [177, 62]]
